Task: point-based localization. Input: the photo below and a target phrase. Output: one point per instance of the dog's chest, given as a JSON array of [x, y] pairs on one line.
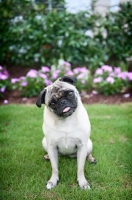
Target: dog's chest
[[68, 145]]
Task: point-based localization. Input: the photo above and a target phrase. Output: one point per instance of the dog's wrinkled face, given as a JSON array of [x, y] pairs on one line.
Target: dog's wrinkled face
[[61, 97], [63, 103]]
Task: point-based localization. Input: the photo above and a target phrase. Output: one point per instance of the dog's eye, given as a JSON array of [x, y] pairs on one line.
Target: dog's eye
[[52, 104], [70, 94]]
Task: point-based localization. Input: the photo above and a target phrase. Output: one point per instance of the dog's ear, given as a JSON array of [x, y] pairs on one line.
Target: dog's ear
[[69, 79], [41, 98]]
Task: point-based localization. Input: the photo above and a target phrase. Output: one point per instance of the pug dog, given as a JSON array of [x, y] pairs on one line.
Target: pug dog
[[66, 127]]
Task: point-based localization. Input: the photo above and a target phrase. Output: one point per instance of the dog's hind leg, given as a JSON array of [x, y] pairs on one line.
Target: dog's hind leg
[[44, 144], [90, 158], [46, 157]]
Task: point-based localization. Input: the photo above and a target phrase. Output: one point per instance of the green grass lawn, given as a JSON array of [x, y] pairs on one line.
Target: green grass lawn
[[24, 172]]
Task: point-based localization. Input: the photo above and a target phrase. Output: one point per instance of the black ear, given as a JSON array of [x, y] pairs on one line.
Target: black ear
[[69, 79], [41, 98]]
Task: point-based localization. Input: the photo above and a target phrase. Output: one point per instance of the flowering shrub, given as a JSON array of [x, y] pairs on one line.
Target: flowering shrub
[[108, 80], [34, 81], [88, 43], [4, 80], [30, 84], [81, 73]]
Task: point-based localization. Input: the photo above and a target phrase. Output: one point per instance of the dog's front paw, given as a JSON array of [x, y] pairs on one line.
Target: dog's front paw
[[51, 184], [84, 185]]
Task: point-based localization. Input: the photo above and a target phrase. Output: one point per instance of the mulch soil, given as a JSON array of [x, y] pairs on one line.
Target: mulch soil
[[14, 97]]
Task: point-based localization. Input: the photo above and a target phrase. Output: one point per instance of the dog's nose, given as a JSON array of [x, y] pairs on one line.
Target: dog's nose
[[62, 101]]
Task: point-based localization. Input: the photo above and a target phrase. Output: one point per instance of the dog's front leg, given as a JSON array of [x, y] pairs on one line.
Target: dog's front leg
[[53, 155], [81, 157]]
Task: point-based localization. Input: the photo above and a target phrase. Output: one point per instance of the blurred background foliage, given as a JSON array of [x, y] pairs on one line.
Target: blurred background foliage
[[34, 33]]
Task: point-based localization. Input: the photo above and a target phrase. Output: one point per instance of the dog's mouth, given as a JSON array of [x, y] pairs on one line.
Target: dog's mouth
[[66, 109], [66, 112]]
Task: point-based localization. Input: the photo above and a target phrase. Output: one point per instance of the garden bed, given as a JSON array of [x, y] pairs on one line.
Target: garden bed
[[14, 97]]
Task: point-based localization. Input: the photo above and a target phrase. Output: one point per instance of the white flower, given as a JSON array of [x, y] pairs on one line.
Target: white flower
[[86, 58], [36, 59], [38, 17], [59, 43], [53, 68], [85, 44], [22, 50], [104, 33], [66, 34], [11, 47], [17, 19], [61, 62], [89, 33]]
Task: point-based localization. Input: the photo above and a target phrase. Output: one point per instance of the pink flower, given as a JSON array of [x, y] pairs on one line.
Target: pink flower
[[48, 82], [14, 80], [99, 71], [80, 76], [24, 84], [5, 101], [32, 73], [123, 75], [91, 95], [107, 68], [43, 76], [3, 89], [117, 70], [4, 73], [84, 70], [77, 70], [45, 69], [110, 80], [22, 77], [130, 76], [24, 99], [112, 74], [55, 74], [70, 73], [3, 76], [80, 69], [97, 80], [67, 64], [83, 81]]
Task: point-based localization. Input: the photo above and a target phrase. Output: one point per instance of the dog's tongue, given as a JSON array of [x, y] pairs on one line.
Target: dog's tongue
[[66, 109]]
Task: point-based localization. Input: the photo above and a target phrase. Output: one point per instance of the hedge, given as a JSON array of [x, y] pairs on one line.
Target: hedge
[[32, 35]]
